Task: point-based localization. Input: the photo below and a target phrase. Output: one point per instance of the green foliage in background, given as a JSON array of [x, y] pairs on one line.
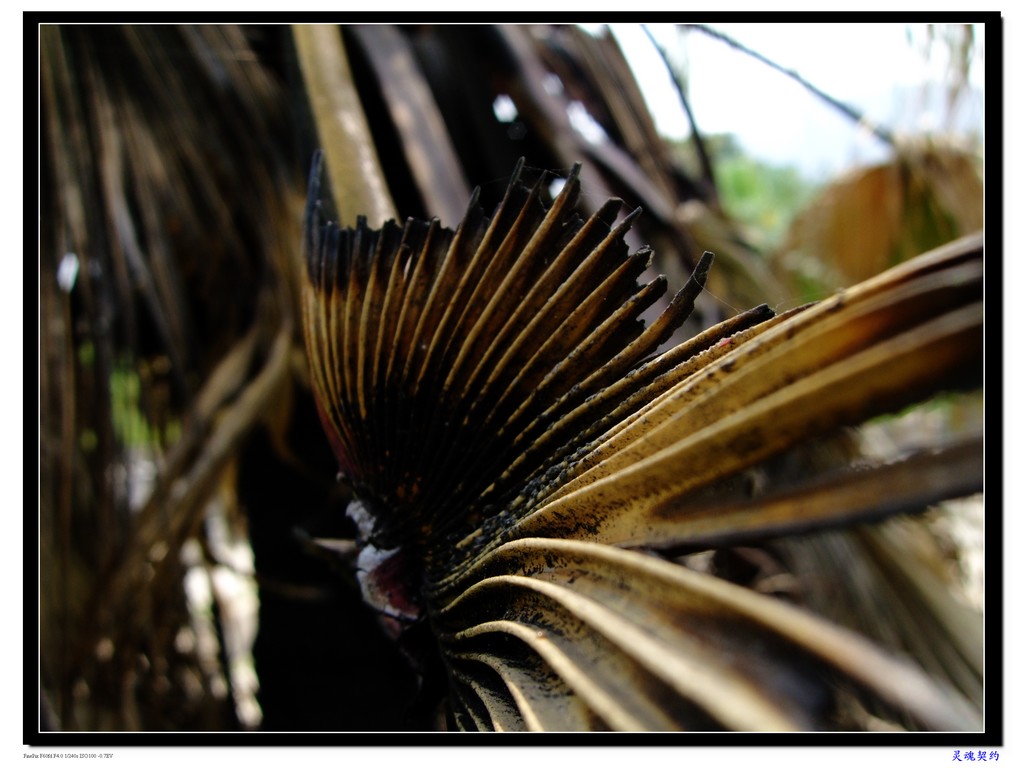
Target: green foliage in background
[[761, 197]]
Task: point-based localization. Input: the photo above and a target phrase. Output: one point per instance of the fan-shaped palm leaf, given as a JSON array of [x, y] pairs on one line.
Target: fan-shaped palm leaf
[[512, 438]]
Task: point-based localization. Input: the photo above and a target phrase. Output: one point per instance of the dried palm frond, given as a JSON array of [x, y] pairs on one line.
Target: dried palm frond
[[533, 479]]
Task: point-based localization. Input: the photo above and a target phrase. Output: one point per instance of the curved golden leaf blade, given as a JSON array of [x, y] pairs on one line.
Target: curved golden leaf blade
[[559, 656], [821, 336], [502, 714], [544, 701], [877, 380], [641, 588], [631, 659], [844, 497]]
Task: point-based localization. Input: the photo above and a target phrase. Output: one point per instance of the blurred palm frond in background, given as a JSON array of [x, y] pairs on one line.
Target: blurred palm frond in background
[[189, 504]]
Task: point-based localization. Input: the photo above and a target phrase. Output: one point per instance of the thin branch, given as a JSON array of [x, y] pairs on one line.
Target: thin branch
[[706, 169], [854, 114]]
